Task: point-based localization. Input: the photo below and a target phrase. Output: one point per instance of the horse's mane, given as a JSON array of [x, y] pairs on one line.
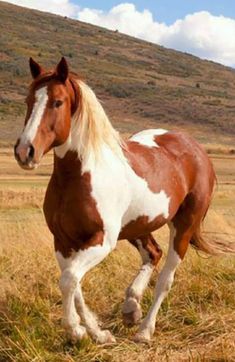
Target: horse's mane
[[91, 126]]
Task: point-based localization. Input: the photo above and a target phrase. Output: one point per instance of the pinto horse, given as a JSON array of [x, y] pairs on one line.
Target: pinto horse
[[104, 188]]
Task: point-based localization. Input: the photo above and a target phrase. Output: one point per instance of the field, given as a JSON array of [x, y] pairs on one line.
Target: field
[[196, 322]]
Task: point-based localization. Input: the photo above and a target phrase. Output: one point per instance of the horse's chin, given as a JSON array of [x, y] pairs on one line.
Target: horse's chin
[[29, 166]]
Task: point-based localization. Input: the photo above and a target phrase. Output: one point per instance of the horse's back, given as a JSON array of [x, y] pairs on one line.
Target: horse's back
[[171, 154]]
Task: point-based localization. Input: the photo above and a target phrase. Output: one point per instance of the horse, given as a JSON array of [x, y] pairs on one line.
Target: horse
[[104, 188]]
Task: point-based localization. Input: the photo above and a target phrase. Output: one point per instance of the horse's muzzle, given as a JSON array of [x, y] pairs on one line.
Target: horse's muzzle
[[24, 155]]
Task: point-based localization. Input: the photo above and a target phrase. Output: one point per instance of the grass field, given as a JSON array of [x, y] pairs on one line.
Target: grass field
[[196, 322]]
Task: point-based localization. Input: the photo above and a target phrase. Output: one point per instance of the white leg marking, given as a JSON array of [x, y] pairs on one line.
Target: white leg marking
[[140, 282], [70, 320], [163, 286], [73, 270], [34, 121], [131, 308]]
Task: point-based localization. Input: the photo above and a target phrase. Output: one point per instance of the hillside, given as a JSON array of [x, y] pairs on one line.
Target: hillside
[[141, 84]]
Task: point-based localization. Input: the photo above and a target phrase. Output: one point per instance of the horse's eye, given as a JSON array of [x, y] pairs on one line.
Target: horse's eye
[[57, 103]]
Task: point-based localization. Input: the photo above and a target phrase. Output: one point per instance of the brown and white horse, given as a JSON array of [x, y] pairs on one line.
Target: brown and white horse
[[103, 189]]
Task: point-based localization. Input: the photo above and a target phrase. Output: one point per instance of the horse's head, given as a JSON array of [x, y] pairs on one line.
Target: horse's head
[[51, 102]]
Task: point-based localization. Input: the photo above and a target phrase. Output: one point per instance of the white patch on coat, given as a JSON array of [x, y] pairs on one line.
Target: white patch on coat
[[110, 189], [121, 195], [146, 137], [144, 202], [30, 130]]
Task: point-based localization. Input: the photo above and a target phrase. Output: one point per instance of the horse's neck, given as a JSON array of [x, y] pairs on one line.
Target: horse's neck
[[68, 167], [92, 138]]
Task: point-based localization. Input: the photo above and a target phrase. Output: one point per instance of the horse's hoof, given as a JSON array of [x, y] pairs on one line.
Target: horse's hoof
[[77, 334], [131, 312], [142, 337], [105, 337]]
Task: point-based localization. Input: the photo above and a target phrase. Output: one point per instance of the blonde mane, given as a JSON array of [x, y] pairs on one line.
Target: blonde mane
[[92, 127]]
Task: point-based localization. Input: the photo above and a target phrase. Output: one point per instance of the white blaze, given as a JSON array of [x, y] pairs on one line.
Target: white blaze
[[34, 121]]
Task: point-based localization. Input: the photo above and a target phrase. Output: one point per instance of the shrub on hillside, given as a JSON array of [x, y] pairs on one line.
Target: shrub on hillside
[[117, 91]]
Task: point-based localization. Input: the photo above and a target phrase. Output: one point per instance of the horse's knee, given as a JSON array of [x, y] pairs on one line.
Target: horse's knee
[[149, 249], [156, 255], [68, 281], [154, 250]]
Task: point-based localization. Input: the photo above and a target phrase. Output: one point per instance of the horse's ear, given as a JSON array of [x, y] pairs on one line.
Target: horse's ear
[[35, 68], [62, 70]]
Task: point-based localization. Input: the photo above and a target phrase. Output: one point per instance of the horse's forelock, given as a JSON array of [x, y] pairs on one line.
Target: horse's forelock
[[42, 80]]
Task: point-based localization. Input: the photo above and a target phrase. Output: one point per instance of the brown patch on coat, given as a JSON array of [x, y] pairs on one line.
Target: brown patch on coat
[[141, 227], [70, 210]]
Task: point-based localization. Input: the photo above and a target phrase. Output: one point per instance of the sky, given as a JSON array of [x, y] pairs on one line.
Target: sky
[[205, 28]]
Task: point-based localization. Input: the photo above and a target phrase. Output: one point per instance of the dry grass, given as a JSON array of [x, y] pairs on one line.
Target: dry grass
[[196, 322]]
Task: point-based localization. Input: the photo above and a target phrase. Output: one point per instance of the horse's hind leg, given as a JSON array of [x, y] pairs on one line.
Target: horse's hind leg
[[150, 253], [182, 229], [164, 283]]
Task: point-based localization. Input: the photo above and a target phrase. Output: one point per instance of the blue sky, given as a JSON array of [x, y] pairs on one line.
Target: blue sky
[[205, 28], [169, 10]]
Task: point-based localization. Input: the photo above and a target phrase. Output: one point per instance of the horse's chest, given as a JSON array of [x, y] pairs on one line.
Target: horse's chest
[[71, 211]]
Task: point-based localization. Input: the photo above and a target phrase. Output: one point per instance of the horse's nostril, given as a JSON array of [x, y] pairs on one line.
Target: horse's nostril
[[31, 152]]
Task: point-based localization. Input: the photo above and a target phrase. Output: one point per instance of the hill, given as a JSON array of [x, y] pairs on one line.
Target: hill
[[141, 84]]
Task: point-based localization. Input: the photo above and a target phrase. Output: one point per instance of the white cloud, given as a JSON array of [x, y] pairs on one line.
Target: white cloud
[[60, 7], [202, 34]]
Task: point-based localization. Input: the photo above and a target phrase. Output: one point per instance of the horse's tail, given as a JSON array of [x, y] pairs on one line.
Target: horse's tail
[[208, 245], [212, 247]]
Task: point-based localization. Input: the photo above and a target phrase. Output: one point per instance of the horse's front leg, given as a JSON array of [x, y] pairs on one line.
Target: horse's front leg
[[73, 270], [70, 319]]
